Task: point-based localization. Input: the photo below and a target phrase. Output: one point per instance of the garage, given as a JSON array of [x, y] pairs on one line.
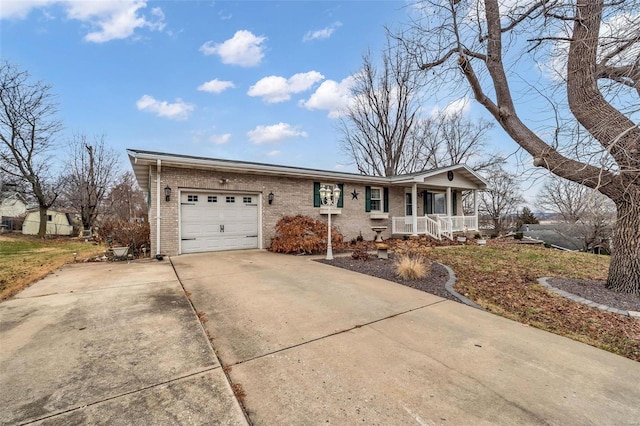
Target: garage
[[218, 221]]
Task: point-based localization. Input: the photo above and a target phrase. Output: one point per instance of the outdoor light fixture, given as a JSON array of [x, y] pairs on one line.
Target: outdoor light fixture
[[167, 193], [329, 198], [271, 197]]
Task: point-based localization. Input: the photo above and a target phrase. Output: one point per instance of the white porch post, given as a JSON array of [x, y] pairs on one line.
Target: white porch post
[[449, 202], [414, 209], [475, 206]]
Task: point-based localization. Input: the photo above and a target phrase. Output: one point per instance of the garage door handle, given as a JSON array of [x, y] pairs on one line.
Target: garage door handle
[[188, 239], [251, 236], [188, 204], [221, 228]]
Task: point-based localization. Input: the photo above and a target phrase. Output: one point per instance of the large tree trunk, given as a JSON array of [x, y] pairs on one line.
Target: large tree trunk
[[624, 272], [617, 134], [42, 230]]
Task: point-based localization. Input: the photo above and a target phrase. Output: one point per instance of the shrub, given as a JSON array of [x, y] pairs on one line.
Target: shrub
[[122, 233], [411, 267], [360, 254], [303, 235]]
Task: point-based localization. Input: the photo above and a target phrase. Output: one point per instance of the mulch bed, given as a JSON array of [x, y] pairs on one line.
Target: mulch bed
[[384, 268], [434, 283], [597, 292]]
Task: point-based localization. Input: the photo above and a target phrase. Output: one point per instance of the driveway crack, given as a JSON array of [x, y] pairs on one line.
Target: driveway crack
[[336, 333]]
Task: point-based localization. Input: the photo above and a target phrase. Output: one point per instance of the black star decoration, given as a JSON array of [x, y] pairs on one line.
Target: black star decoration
[[354, 195]]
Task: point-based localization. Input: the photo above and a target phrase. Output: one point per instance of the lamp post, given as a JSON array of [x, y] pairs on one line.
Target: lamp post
[[329, 198]]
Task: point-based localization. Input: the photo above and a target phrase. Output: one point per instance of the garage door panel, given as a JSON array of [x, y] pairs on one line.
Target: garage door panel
[[214, 222]]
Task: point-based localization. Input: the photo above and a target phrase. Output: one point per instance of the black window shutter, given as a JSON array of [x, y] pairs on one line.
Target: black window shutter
[[316, 194], [455, 204], [428, 202], [367, 198], [341, 198], [386, 200]]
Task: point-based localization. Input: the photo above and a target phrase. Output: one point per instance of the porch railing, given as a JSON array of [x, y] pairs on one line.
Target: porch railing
[[434, 225], [446, 226]]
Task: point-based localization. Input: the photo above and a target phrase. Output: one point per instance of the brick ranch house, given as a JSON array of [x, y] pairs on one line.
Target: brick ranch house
[[201, 204]]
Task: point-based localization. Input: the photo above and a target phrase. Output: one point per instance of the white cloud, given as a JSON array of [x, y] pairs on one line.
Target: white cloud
[[108, 19], [19, 9], [274, 133], [179, 110], [273, 153], [216, 86], [274, 89], [459, 106], [220, 139], [323, 33], [244, 49], [332, 96]]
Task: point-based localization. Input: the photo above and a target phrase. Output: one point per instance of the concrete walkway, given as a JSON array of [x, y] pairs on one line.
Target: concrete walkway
[[112, 344], [313, 344]]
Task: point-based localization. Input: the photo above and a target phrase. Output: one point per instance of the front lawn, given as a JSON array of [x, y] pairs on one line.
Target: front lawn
[[25, 259], [503, 280]]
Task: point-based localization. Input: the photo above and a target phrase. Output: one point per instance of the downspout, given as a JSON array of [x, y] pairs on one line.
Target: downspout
[[158, 169]]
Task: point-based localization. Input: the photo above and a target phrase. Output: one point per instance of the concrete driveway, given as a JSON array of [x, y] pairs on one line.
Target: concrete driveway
[[313, 344], [112, 344]]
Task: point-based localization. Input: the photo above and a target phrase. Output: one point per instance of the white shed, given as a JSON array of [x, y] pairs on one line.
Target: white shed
[[12, 205], [58, 223]]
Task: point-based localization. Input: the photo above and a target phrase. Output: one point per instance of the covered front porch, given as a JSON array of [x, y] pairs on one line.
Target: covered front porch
[[439, 203]]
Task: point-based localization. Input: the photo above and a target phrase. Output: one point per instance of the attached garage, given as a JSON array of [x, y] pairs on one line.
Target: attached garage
[[215, 221]]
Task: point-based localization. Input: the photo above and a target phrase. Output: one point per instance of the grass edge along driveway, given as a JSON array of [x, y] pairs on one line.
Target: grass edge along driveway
[[26, 259]]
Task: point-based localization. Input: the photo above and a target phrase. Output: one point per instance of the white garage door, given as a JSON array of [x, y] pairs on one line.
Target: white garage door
[[214, 221]]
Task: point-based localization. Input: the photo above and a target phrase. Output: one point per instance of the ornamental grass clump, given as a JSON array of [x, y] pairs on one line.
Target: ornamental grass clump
[[411, 267]]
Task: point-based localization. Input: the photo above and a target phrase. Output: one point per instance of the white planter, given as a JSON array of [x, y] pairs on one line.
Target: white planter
[[120, 251]]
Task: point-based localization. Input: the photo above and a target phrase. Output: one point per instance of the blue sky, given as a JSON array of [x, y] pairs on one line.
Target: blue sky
[[255, 81]]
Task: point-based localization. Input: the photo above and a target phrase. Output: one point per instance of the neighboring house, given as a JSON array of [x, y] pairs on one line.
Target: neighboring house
[[219, 204], [567, 236], [58, 223], [13, 208]]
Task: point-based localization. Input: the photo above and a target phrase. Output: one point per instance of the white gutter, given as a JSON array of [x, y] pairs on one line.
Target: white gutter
[[158, 168]]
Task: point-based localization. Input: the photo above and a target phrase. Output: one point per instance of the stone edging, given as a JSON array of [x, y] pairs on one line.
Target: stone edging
[[449, 286], [543, 282]]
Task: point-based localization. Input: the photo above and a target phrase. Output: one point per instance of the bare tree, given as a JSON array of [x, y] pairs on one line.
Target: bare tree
[[386, 133], [125, 200], [569, 199], [376, 127], [481, 42], [499, 202], [590, 214], [455, 139], [92, 168], [27, 129]]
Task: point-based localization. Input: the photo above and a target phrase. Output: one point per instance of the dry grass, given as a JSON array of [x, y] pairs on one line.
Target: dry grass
[[411, 267], [25, 259]]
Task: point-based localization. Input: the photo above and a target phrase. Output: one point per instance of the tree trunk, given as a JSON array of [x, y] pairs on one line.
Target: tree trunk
[[624, 271], [42, 230]]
